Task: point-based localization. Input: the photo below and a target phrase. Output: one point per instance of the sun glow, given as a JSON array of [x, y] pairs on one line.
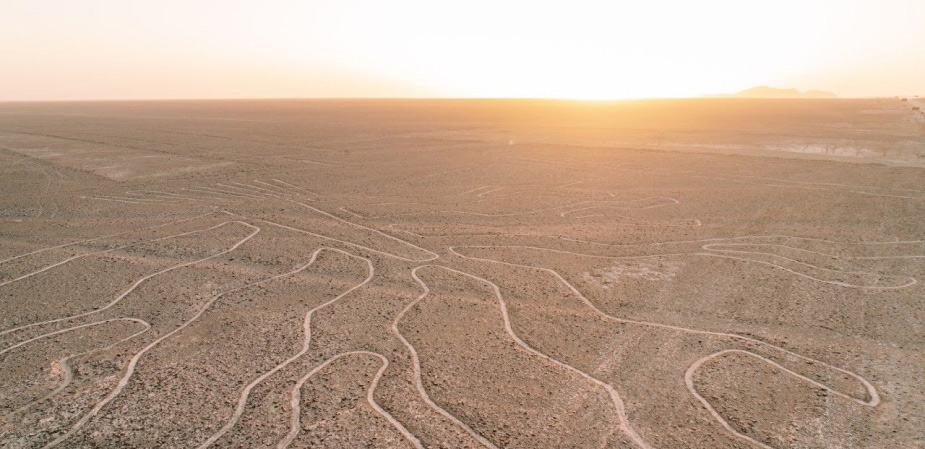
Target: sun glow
[[583, 49]]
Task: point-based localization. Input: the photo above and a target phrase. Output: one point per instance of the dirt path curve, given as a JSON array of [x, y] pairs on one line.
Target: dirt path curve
[[96, 253], [243, 400], [431, 255], [132, 288], [416, 363], [296, 400], [78, 242], [907, 281], [64, 363], [874, 397], [307, 331], [624, 424], [689, 382]]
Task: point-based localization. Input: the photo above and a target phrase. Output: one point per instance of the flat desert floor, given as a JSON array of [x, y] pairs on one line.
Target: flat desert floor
[[462, 274]]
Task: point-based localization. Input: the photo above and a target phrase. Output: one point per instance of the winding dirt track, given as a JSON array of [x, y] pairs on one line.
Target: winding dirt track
[[689, 381], [717, 250], [835, 247], [65, 365], [416, 361], [610, 390], [137, 283], [306, 344], [79, 242], [874, 397], [294, 423]]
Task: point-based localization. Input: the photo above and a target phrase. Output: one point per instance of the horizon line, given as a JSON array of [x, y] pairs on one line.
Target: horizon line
[[565, 99]]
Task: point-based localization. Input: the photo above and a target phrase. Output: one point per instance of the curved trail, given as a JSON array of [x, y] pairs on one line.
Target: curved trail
[[673, 202], [350, 212], [242, 402], [375, 231], [69, 329], [278, 188], [244, 191], [119, 298], [68, 372], [416, 364], [160, 194], [172, 195], [755, 180], [559, 208], [689, 382], [259, 190], [295, 187], [632, 221], [96, 253], [719, 240], [291, 190], [462, 212], [47, 192], [276, 191], [487, 192], [717, 247], [226, 192], [432, 255], [296, 399], [283, 192], [215, 195], [871, 390], [129, 201], [136, 197], [64, 245], [910, 281], [307, 330], [624, 425], [474, 190]]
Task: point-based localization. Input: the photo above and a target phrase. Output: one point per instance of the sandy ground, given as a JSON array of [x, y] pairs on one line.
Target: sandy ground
[[498, 274]]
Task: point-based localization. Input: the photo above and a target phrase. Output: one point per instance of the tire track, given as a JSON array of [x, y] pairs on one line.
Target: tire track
[[135, 285], [126, 201], [80, 256], [295, 187], [416, 365], [133, 363], [874, 397], [68, 372], [431, 255], [307, 331], [718, 240], [561, 209], [96, 253], [624, 423], [296, 399], [64, 245], [689, 382], [910, 281]]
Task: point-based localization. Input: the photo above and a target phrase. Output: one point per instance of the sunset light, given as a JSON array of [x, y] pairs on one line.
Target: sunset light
[[55, 49], [428, 224]]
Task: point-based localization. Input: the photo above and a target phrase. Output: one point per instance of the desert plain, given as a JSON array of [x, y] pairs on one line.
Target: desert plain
[[704, 273]]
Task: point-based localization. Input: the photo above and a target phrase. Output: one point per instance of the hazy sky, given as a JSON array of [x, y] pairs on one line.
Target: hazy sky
[[113, 49]]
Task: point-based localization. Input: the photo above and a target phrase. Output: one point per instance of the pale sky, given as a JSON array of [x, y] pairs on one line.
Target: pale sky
[[124, 49]]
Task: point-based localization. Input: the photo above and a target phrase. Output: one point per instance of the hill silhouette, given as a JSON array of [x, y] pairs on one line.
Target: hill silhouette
[[773, 92]]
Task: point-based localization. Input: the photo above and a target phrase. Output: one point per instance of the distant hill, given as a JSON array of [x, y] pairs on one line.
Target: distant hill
[[773, 92]]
